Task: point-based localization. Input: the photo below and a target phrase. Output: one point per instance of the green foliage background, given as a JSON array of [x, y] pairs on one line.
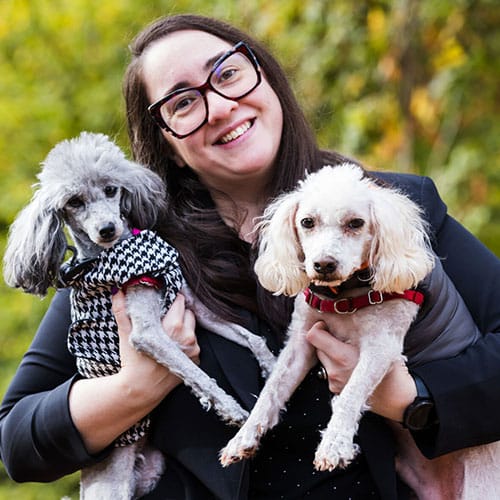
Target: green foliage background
[[407, 85]]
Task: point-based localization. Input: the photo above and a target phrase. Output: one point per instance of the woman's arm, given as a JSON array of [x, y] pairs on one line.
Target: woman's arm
[[38, 440], [465, 387], [129, 395], [52, 421]]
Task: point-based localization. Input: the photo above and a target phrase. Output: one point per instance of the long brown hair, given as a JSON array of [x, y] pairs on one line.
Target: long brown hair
[[216, 263]]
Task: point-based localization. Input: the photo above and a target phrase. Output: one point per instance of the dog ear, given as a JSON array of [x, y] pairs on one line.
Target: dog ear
[[143, 196], [35, 248], [400, 255], [279, 265]]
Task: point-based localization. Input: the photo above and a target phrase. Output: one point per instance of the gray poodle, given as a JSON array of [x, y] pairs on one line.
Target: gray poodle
[[107, 203]]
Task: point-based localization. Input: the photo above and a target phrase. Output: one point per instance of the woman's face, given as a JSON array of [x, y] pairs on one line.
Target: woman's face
[[240, 141]]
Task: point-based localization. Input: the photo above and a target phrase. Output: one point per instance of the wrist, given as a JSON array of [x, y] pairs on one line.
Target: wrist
[[420, 414], [145, 390], [396, 391]]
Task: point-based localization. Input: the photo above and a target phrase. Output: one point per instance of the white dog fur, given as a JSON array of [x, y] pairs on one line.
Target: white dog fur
[[88, 186], [337, 221]]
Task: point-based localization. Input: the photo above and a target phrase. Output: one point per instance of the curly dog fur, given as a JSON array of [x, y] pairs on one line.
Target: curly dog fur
[[337, 222], [89, 187]]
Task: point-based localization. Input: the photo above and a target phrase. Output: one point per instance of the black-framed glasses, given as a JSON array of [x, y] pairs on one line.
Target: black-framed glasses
[[234, 75]]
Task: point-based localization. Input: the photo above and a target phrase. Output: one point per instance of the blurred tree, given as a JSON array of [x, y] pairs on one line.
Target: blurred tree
[[407, 85]]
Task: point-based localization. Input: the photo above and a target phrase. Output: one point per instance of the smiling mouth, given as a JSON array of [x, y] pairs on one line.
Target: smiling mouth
[[237, 132]]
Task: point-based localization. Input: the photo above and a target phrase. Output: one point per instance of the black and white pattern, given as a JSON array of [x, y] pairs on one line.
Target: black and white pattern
[[93, 335]]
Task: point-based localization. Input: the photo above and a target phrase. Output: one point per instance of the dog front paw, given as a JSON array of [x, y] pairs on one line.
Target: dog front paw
[[243, 445], [338, 452]]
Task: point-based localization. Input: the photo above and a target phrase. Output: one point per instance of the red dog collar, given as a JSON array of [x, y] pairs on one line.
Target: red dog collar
[[350, 305]]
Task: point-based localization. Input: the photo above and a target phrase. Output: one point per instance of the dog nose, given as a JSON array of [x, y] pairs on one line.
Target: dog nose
[[325, 266], [108, 231]]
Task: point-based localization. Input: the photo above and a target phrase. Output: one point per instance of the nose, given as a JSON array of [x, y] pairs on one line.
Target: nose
[[108, 231], [325, 266], [219, 107]]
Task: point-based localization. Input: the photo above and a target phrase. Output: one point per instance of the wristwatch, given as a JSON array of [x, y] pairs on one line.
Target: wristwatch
[[421, 413]]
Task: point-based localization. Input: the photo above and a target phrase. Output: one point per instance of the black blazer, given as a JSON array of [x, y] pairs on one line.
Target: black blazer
[[38, 441]]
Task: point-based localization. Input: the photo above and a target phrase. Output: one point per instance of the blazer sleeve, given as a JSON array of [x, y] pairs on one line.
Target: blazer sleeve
[[465, 388], [38, 440]]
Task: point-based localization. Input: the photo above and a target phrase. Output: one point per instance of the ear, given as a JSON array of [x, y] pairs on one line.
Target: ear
[[143, 196], [279, 264], [401, 255], [35, 248]]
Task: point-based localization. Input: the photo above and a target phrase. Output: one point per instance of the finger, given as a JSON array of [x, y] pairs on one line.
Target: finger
[[337, 357], [179, 324], [173, 321], [321, 338], [189, 341], [119, 309], [189, 327]]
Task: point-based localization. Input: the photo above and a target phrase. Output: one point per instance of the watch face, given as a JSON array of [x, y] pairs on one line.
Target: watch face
[[418, 415]]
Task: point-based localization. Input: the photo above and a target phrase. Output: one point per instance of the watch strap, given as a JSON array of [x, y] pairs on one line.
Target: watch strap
[[420, 413]]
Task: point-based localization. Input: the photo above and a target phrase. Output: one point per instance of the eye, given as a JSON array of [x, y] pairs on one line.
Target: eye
[[307, 222], [182, 103], [110, 191], [355, 223], [75, 202], [228, 74]]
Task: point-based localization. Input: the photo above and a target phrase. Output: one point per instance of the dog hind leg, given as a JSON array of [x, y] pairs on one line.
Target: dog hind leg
[[113, 478]]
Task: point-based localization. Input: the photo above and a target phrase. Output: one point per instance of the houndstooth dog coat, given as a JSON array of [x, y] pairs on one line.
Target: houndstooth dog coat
[[93, 335]]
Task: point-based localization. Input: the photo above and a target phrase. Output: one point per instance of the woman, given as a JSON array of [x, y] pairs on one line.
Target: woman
[[227, 135]]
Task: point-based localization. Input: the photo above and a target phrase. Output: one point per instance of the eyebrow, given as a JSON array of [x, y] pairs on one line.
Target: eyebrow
[[208, 66]]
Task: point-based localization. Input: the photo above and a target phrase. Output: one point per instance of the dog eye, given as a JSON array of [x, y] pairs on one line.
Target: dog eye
[[307, 222], [110, 191], [355, 223], [75, 202]]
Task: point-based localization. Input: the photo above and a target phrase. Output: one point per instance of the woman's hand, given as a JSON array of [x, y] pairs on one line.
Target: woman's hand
[[391, 397], [103, 408], [144, 376]]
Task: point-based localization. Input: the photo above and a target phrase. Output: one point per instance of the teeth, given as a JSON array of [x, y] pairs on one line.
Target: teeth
[[234, 134]]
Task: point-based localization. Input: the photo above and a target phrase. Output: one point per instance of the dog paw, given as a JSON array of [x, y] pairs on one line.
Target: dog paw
[[238, 417], [337, 453], [227, 409], [243, 445]]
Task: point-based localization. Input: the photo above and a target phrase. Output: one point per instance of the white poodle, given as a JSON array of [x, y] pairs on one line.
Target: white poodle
[[107, 203], [354, 254]]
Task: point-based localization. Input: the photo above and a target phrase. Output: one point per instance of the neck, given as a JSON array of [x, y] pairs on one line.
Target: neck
[[239, 212], [240, 216]]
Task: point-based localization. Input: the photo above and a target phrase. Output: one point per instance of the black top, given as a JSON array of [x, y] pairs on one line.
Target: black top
[[38, 441]]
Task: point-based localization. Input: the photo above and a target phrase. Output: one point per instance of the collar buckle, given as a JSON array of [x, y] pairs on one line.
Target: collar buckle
[[375, 297], [349, 309]]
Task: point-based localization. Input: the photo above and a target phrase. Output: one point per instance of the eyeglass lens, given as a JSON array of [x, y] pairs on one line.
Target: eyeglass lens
[[233, 77]]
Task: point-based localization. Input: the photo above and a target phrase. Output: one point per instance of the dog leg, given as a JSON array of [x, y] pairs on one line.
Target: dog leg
[[149, 467], [113, 478], [337, 447], [441, 478], [296, 359], [144, 307], [231, 331]]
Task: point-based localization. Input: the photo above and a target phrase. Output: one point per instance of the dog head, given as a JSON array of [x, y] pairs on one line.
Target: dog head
[[88, 185], [337, 222]]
